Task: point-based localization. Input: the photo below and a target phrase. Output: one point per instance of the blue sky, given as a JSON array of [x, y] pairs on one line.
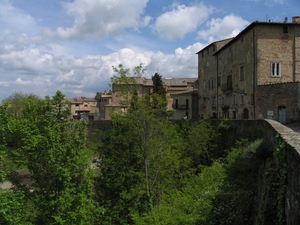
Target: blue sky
[[71, 45]]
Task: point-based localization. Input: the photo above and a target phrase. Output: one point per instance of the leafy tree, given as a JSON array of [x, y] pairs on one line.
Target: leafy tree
[[12, 204], [139, 70], [16, 102], [52, 150], [141, 161], [123, 84]]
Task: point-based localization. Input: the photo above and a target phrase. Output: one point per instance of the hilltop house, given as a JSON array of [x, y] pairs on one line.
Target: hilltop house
[[84, 108], [254, 75], [144, 86]]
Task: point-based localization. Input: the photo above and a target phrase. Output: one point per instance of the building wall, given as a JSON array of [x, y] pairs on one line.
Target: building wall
[[207, 78], [271, 97], [236, 61], [252, 54], [274, 46], [182, 104]]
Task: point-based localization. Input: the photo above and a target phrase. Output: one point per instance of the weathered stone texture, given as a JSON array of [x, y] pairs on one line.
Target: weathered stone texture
[[270, 97]]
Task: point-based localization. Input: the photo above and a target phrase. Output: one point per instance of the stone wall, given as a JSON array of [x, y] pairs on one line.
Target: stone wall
[[284, 161], [270, 97]]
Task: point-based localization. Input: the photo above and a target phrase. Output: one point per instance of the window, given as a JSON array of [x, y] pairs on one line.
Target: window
[[242, 99], [285, 29], [187, 104], [76, 104], [275, 70], [234, 99], [213, 102], [242, 73], [219, 80], [211, 83], [229, 82], [176, 103]]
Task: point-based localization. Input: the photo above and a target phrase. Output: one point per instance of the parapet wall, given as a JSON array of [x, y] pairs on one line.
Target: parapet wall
[[285, 144]]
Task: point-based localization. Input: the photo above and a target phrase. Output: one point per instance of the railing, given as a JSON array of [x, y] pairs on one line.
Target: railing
[[180, 106]]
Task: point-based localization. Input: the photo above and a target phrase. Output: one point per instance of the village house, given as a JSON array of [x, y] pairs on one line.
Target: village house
[[119, 101], [84, 108], [255, 75], [103, 99]]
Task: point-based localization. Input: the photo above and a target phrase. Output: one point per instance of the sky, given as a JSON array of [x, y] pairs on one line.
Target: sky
[[71, 45]]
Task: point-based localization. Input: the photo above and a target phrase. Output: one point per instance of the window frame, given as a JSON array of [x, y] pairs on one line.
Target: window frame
[[275, 69]]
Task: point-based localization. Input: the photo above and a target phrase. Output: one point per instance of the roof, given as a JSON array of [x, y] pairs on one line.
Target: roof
[[166, 81], [252, 25], [215, 42], [194, 91], [81, 100]]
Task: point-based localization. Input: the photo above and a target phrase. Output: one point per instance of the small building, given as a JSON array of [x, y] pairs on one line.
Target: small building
[[103, 99], [83, 105]]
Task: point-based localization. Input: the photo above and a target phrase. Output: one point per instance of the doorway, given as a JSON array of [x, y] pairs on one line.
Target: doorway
[[281, 114]]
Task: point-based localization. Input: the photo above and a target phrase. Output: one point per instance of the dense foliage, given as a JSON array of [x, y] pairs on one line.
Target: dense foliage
[[46, 163], [151, 170]]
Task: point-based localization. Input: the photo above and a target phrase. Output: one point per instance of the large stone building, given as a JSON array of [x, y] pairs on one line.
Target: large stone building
[[254, 75]]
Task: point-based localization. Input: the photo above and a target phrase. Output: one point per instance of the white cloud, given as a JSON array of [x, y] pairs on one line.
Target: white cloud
[[181, 20], [101, 18], [15, 19], [219, 29], [183, 63]]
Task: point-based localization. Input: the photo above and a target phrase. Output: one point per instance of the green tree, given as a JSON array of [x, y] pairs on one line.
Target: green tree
[[16, 102], [159, 99], [12, 204], [52, 151], [141, 161]]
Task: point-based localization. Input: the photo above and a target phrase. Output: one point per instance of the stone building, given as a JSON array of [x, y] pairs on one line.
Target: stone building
[[120, 96], [185, 103], [103, 99], [254, 75], [82, 106]]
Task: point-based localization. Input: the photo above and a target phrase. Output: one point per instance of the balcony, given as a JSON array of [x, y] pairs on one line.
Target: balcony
[[226, 87], [180, 106]]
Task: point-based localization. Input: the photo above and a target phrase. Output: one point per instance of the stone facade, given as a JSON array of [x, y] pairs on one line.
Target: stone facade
[[121, 92], [103, 99], [263, 54], [82, 105]]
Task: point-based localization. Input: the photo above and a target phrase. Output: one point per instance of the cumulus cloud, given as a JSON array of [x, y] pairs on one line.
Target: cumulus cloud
[[15, 19], [183, 63], [219, 29], [181, 20], [101, 19]]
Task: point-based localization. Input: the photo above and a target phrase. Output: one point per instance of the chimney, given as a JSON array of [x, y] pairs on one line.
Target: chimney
[[296, 19], [285, 19]]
